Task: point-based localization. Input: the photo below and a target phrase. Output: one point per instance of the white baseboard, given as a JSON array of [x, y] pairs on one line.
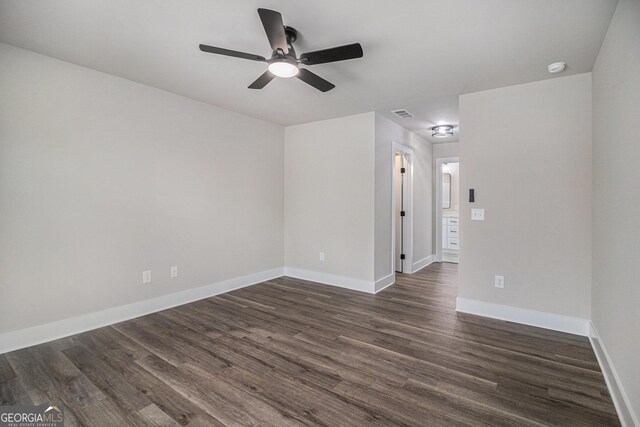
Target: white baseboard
[[385, 282], [22, 338], [389, 280], [620, 399], [419, 265], [556, 322], [331, 279]]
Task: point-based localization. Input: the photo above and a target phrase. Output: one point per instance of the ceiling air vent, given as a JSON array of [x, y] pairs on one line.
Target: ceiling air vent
[[404, 114]]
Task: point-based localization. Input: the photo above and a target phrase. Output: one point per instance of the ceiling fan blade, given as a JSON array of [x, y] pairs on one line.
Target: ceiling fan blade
[[227, 52], [262, 81], [315, 80], [340, 53], [274, 27]]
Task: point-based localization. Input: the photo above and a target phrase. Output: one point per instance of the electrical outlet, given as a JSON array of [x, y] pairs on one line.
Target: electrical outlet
[[321, 256], [477, 214], [499, 282], [174, 271], [146, 277]]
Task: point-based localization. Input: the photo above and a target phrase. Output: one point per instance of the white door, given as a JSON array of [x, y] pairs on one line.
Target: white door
[[401, 190]]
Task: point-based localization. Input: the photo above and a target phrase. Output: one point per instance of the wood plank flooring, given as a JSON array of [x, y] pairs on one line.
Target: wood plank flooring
[[291, 353]]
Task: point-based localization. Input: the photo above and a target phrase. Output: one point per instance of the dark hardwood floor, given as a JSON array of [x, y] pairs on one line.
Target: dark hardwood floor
[[289, 352]]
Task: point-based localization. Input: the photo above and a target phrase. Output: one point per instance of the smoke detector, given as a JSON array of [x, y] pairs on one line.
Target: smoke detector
[[556, 67]]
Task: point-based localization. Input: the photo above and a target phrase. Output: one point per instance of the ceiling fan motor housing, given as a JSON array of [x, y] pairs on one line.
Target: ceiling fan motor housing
[[291, 33]]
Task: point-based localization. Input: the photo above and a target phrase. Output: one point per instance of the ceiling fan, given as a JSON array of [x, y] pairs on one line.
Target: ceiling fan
[[283, 62]]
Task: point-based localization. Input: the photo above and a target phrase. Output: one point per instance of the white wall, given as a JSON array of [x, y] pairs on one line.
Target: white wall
[[533, 178], [616, 199], [102, 178], [329, 198], [338, 189], [387, 132], [422, 201], [446, 149]]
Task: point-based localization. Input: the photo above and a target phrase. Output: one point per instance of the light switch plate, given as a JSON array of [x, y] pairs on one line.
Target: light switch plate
[[146, 277], [321, 256], [477, 214], [174, 271]]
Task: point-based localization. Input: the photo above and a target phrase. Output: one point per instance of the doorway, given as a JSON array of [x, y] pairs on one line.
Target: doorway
[[402, 203], [447, 219]]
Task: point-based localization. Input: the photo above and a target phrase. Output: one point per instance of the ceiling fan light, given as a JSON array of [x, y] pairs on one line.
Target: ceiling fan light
[[442, 131], [284, 69]]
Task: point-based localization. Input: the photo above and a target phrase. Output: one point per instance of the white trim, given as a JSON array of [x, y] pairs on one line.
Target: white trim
[[408, 232], [438, 193], [556, 322], [331, 279], [385, 282], [419, 265], [620, 398], [27, 337]]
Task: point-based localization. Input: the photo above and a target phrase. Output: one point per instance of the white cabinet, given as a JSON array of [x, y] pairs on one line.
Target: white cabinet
[[444, 232], [450, 234]]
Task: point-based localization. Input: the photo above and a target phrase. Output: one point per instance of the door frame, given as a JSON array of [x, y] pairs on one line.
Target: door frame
[[407, 267], [438, 217]]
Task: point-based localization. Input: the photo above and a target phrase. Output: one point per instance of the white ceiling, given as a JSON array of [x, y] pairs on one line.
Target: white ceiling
[[418, 54]]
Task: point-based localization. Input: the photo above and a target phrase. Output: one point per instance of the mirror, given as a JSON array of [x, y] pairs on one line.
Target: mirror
[[446, 191]]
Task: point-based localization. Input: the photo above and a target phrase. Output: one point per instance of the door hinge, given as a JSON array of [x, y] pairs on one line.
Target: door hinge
[[401, 256], [402, 213], [402, 170]]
